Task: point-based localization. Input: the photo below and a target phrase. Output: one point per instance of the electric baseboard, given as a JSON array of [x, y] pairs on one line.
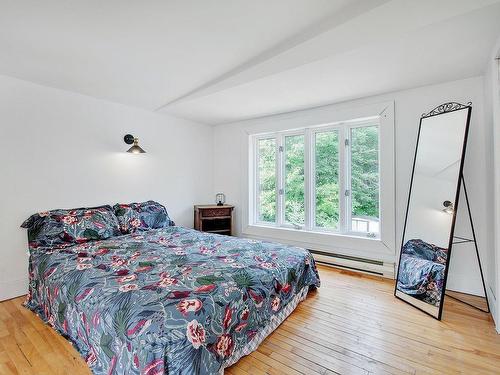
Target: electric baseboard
[[369, 266]]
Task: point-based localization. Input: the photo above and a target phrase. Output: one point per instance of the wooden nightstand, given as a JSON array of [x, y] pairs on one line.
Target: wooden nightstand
[[214, 219]]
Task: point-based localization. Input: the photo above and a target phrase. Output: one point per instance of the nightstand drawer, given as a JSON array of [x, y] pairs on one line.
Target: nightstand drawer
[[213, 212]]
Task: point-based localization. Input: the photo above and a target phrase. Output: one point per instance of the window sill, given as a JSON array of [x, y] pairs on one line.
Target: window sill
[[346, 244], [317, 232]]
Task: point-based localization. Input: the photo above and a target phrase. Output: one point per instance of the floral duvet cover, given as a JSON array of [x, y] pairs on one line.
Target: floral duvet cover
[[421, 272], [167, 301]]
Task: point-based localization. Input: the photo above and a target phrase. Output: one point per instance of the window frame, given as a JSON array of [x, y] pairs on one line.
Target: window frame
[[344, 133], [282, 185], [348, 167], [379, 249], [257, 182], [312, 168]]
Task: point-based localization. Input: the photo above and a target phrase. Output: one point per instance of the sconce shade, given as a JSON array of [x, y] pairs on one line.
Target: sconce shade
[[135, 149]]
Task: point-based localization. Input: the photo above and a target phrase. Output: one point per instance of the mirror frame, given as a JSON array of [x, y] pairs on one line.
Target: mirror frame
[[439, 110]]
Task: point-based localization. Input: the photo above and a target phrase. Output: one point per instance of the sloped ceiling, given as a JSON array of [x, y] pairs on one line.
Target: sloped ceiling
[[225, 60]]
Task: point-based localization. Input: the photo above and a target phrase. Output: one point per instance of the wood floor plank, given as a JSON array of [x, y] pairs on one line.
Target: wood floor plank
[[351, 325]]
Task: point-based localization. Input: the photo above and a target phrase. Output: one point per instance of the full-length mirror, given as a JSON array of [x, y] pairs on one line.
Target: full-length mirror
[[431, 210]]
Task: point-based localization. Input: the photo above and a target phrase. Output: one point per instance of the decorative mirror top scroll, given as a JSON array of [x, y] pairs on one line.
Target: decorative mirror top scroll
[[446, 107]]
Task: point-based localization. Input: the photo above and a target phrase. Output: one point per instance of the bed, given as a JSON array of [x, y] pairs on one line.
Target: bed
[[421, 273], [166, 300]]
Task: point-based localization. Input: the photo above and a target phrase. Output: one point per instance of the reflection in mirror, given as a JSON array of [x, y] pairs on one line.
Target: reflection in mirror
[[478, 302], [431, 209]]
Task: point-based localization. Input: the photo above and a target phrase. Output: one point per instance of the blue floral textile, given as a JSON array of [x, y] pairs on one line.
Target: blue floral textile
[[421, 273], [66, 227], [148, 215], [169, 300]]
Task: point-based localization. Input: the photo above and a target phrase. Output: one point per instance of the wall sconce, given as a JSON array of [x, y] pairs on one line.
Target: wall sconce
[[448, 207], [135, 149]]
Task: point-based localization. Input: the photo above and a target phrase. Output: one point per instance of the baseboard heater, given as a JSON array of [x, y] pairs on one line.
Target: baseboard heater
[[370, 266]]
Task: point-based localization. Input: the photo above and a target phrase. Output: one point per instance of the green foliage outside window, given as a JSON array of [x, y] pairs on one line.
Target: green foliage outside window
[[364, 177], [327, 179], [365, 171], [294, 180], [267, 179]]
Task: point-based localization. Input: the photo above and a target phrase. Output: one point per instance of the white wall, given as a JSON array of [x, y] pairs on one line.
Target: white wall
[[409, 105], [492, 123], [62, 150]]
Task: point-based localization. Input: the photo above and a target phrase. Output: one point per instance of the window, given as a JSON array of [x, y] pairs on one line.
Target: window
[[294, 184], [266, 180], [320, 179], [326, 180], [364, 178]]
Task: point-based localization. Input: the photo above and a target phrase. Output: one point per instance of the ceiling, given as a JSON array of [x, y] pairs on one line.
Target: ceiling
[[226, 60]]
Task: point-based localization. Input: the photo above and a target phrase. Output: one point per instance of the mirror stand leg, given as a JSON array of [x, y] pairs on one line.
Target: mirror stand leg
[[477, 254]]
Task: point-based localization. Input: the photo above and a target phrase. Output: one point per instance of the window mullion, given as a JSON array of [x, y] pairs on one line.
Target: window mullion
[[343, 180], [348, 180], [280, 196], [308, 179], [313, 192], [256, 208]]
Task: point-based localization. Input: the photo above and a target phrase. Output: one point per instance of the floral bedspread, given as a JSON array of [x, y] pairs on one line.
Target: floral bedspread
[[165, 301], [421, 271]]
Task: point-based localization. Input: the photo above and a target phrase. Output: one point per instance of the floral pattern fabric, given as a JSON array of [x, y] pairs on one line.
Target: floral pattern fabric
[[421, 273], [148, 215], [63, 227], [169, 300]]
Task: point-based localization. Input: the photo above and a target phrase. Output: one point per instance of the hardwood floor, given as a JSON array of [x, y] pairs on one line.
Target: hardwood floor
[[351, 325]]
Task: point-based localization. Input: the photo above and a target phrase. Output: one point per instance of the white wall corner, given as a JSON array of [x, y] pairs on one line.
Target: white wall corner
[[492, 101]]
